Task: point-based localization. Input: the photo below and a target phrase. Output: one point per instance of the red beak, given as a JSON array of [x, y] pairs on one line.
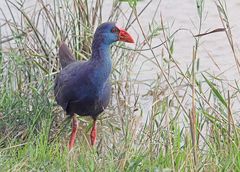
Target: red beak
[[124, 36]]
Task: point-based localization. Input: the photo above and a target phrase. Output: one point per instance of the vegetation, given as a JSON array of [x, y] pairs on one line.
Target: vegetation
[[190, 124]]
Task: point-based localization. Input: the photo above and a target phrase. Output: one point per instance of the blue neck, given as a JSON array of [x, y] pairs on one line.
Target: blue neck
[[101, 60]]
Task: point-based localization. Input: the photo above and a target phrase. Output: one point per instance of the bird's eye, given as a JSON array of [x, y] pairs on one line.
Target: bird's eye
[[114, 30]]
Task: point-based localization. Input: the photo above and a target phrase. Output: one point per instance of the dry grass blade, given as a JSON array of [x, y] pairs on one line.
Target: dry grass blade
[[222, 11], [163, 115], [210, 32]]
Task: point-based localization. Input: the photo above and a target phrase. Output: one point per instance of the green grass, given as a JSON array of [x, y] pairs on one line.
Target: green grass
[[191, 124]]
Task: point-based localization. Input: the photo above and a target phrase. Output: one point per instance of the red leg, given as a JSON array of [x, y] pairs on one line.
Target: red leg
[[74, 132], [94, 133]]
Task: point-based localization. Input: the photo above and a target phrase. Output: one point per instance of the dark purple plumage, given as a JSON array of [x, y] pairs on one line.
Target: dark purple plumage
[[83, 88], [78, 91]]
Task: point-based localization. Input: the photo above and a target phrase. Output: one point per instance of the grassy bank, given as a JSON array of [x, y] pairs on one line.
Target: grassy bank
[[190, 124]]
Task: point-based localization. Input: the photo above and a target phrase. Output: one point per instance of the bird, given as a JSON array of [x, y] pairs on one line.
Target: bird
[[83, 87]]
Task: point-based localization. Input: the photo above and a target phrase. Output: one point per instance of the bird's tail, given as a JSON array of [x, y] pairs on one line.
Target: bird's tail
[[65, 55]]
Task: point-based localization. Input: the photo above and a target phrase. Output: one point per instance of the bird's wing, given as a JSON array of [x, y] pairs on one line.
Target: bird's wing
[[68, 84], [65, 55]]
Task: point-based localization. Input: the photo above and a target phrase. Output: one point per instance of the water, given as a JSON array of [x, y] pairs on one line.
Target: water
[[183, 14], [215, 54]]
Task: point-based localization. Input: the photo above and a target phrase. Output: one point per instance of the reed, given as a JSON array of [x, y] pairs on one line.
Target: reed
[[181, 119]]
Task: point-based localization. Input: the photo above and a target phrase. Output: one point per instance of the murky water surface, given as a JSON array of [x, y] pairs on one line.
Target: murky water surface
[[214, 53], [214, 49]]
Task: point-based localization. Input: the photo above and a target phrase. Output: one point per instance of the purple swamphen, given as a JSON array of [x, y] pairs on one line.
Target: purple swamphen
[[83, 87]]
